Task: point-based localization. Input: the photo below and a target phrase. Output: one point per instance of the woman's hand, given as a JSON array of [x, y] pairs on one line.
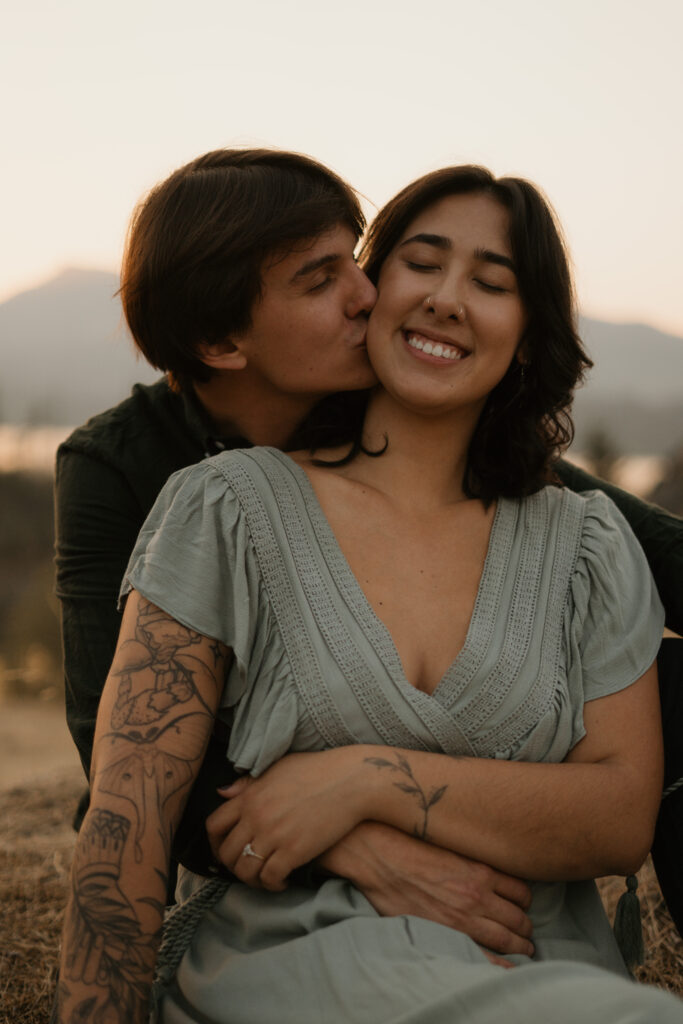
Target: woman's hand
[[296, 810]]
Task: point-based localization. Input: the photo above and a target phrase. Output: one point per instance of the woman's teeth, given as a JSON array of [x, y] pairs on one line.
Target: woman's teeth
[[433, 348]]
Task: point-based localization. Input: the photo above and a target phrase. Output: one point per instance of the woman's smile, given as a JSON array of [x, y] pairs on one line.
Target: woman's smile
[[435, 349]]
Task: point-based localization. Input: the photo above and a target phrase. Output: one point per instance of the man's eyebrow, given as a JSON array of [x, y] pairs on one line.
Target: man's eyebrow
[[438, 241], [488, 256], [313, 265]]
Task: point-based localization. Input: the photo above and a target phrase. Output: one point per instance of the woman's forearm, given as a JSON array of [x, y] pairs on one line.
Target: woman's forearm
[[153, 725], [541, 821]]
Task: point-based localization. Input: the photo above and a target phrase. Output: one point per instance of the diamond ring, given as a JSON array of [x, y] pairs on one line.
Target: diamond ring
[[249, 851]]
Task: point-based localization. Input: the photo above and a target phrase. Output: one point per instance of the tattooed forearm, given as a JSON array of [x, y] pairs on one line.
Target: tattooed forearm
[[412, 787], [159, 720], [110, 953], [154, 721]]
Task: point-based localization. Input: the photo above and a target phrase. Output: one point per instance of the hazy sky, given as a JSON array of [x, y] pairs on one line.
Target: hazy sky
[[582, 97]]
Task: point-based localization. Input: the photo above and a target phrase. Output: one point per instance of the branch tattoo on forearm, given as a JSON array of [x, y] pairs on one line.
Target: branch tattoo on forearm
[[412, 787]]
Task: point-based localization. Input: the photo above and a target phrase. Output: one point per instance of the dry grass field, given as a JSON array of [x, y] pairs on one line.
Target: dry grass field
[[35, 854]]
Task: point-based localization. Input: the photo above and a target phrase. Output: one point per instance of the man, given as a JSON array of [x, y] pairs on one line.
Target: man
[[239, 281]]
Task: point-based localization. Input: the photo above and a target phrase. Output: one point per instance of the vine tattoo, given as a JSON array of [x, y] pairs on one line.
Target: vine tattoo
[[412, 787]]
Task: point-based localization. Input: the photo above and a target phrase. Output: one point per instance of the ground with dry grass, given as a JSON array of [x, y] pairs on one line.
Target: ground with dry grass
[[35, 854]]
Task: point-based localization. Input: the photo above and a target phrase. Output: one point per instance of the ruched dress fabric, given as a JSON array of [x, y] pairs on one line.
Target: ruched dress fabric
[[238, 548]]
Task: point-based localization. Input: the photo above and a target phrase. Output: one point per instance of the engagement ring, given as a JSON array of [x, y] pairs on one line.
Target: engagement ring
[[249, 851]]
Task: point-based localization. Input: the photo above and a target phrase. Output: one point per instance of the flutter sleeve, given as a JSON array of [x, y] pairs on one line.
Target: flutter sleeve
[[615, 617], [194, 559]]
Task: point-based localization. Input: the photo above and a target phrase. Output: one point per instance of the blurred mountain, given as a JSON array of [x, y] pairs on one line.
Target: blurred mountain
[[65, 352], [66, 355], [633, 398]]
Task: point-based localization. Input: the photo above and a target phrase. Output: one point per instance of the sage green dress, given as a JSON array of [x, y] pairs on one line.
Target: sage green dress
[[239, 549]]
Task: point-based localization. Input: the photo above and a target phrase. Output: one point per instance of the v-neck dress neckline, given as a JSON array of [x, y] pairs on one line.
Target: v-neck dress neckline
[[485, 601]]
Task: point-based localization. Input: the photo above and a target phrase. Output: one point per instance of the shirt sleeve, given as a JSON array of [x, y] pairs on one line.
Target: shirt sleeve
[[194, 559], [660, 534], [97, 521], [617, 618]]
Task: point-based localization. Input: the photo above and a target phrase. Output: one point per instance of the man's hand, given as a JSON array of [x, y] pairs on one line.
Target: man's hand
[[399, 874]]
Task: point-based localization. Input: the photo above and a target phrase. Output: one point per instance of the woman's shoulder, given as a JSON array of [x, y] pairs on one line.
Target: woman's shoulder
[[588, 509], [589, 531]]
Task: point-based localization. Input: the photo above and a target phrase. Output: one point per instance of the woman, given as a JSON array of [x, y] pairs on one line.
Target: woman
[[459, 650]]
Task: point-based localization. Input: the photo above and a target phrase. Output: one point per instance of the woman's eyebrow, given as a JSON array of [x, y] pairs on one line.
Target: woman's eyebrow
[[488, 256], [438, 241], [444, 243]]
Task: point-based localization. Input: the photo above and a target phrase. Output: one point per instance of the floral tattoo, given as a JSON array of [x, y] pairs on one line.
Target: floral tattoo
[[412, 787]]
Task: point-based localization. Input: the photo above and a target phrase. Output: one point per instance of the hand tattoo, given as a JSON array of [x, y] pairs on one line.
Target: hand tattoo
[[413, 788], [109, 948]]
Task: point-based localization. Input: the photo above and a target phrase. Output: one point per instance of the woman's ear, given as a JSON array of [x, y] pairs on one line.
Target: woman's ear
[[222, 355]]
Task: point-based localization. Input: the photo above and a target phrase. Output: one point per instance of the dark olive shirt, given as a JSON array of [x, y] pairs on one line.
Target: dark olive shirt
[[109, 473]]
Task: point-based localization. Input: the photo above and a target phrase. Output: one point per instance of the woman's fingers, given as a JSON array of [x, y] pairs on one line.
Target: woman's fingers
[[235, 788], [219, 824], [244, 857]]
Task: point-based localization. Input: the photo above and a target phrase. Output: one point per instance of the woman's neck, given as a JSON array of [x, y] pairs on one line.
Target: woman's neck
[[425, 461]]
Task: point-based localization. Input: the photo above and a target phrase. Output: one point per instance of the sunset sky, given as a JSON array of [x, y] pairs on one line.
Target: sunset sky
[[584, 98]]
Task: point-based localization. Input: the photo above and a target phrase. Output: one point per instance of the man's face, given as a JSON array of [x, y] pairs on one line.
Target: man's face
[[307, 336]]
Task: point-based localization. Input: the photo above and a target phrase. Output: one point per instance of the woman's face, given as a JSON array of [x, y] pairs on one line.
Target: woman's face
[[449, 318]]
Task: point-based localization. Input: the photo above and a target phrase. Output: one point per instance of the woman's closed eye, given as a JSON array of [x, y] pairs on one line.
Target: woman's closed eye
[[422, 268], [489, 286]]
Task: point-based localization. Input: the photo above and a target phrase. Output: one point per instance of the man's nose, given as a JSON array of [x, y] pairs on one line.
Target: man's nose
[[363, 294]]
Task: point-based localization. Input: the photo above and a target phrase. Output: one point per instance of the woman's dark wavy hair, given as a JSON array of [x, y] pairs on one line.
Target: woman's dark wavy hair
[[197, 244], [525, 423]]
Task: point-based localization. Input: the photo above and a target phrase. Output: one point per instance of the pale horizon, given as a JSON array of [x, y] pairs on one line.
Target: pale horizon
[[584, 100]]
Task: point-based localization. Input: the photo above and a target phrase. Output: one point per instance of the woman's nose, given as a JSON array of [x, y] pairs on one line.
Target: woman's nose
[[445, 307]]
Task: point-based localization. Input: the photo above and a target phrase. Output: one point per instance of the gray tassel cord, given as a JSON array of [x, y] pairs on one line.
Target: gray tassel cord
[[628, 929], [180, 924]]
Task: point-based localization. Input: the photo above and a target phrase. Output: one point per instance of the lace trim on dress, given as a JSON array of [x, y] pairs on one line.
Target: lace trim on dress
[[542, 693], [295, 638], [286, 489]]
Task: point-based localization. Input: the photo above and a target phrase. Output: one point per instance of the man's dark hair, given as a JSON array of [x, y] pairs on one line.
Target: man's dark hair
[[525, 423], [197, 244]]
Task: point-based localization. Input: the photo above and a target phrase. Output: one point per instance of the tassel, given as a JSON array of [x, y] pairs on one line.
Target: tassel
[[628, 929]]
